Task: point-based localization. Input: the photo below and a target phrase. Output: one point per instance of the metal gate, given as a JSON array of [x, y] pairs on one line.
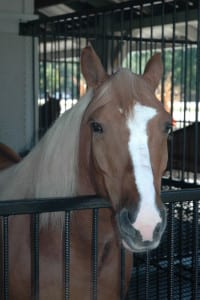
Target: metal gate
[[170, 272], [127, 35]]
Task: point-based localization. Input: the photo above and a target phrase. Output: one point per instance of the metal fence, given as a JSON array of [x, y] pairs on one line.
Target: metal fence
[[127, 35], [170, 272]]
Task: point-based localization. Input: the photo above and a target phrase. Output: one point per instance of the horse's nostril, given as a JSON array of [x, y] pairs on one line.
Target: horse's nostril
[[126, 217], [131, 217], [138, 236]]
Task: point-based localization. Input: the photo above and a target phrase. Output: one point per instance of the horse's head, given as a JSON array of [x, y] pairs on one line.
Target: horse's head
[[125, 128]]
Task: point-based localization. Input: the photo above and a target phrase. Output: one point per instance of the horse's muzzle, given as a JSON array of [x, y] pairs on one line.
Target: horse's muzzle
[[131, 237]]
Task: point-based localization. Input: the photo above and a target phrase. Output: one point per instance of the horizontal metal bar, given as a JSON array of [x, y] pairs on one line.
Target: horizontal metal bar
[[130, 5], [30, 206], [181, 195], [125, 37]]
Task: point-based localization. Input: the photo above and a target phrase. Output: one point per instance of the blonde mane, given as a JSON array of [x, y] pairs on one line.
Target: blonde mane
[[50, 170]]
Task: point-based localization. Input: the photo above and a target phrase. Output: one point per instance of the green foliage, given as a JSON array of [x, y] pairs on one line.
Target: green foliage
[[62, 78], [59, 78], [180, 64]]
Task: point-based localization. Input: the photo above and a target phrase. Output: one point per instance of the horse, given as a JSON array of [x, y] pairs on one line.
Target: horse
[[112, 143], [8, 157], [48, 113], [185, 159]]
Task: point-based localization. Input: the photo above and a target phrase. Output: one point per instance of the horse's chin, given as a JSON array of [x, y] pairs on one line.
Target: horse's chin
[[131, 246]]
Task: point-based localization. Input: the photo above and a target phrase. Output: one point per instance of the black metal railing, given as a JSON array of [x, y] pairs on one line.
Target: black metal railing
[[173, 270], [170, 272]]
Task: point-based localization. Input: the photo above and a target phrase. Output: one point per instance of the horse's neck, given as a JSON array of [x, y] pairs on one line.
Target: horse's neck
[[14, 182], [59, 166], [82, 224], [50, 170]]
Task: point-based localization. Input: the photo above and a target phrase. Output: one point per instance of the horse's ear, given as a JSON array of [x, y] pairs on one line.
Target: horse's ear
[[91, 66], [153, 71]]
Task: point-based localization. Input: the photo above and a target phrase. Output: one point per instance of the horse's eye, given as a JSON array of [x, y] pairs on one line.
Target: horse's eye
[[96, 127]]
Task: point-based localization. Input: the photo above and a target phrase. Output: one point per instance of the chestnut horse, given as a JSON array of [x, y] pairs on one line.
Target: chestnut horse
[[8, 157], [112, 143], [184, 148]]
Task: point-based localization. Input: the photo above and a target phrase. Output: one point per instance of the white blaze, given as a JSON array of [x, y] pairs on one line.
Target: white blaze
[[148, 216]]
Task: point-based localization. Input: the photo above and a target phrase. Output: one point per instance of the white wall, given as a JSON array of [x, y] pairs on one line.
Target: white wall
[[16, 71]]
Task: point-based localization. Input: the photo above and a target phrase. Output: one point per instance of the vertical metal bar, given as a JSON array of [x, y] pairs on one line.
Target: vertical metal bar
[[53, 61], [190, 91], [67, 255], [180, 243], [184, 84], [35, 257], [96, 33], [171, 252], [104, 43], [195, 256], [147, 276], [158, 275], [6, 259], [185, 93], [130, 32], [112, 17], [78, 71], [51, 66], [140, 37], [137, 282], [65, 64], [121, 35], [151, 28], [45, 79], [34, 96], [87, 28], [172, 79], [94, 253], [57, 59], [145, 49], [60, 63], [1, 258], [197, 100], [163, 47], [73, 74], [43, 82], [122, 291]]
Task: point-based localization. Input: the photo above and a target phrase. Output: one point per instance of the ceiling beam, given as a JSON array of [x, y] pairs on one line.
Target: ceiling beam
[[99, 3], [75, 4], [44, 3]]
